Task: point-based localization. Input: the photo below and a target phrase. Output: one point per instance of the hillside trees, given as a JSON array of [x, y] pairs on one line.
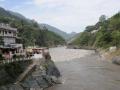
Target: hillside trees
[[102, 18], [108, 33]]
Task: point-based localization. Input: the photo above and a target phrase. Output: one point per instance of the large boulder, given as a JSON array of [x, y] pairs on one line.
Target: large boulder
[[113, 49], [51, 69], [44, 76], [116, 60]]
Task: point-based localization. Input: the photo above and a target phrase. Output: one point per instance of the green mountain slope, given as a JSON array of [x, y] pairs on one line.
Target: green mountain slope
[[29, 30], [63, 34], [103, 34]]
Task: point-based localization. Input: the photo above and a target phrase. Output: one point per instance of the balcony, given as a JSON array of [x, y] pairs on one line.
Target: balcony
[[7, 27], [8, 34]]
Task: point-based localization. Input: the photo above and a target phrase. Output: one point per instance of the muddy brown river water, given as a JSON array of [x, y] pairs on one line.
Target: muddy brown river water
[[85, 70]]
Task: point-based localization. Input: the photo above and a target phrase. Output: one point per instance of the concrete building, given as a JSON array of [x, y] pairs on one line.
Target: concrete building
[[9, 37], [8, 34]]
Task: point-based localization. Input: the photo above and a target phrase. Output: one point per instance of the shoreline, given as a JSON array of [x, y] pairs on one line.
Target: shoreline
[[112, 57]]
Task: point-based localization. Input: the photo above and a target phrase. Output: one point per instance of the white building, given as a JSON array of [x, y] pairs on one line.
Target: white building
[[8, 34], [9, 37]]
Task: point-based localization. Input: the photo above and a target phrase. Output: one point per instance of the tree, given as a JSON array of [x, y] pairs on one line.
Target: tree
[[90, 28], [102, 18], [116, 38]]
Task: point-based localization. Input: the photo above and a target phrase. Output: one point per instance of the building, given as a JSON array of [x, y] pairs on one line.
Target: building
[[9, 38], [8, 34]]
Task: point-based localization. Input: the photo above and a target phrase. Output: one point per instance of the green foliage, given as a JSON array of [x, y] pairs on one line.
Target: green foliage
[[115, 22], [85, 39], [104, 40], [102, 18], [14, 69], [90, 28], [48, 38], [116, 38], [108, 34]]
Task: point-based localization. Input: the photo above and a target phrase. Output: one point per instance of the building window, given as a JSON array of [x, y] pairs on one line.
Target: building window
[[5, 32], [9, 32], [15, 34]]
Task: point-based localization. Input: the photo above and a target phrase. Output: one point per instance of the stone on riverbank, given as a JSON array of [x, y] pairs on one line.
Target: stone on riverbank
[[116, 60]]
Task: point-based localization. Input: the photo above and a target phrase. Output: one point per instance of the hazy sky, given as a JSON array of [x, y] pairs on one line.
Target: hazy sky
[[67, 15]]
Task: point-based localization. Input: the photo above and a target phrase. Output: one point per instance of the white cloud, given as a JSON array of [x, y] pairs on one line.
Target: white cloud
[[74, 15]]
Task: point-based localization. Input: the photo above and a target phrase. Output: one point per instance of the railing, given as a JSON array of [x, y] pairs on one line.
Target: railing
[[15, 60]]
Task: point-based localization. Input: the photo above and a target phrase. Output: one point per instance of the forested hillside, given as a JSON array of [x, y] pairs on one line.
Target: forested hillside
[[63, 34], [29, 30], [103, 34]]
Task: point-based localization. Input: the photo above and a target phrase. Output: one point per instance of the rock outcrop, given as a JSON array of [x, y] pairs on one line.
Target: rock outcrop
[[116, 60], [42, 76]]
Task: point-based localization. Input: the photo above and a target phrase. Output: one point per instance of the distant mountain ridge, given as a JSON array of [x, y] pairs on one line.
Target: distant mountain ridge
[[7, 13], [17, 14], [65, 35]]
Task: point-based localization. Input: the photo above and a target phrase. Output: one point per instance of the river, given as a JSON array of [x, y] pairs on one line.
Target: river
[[84, 70]]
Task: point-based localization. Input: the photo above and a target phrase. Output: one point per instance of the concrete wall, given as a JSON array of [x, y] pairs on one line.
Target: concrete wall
[[8, 40], [9, 36], [8, 33]]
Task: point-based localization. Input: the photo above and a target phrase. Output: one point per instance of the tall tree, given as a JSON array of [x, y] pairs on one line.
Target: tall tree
[[102, 18]]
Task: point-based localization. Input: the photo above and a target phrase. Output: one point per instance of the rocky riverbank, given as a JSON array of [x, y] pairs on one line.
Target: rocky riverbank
[[110, 55], [113, 56], [42, 76]]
